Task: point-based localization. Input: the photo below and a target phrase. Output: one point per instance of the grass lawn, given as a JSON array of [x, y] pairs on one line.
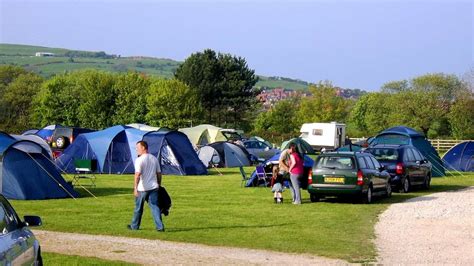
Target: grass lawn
[[60, 259], [215, 210]]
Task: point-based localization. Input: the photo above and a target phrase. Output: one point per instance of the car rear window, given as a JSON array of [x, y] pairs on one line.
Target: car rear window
[[335, 162], [384, 154]]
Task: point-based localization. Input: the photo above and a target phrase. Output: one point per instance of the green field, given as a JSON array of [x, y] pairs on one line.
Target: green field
[[215, 210], [24, 56]]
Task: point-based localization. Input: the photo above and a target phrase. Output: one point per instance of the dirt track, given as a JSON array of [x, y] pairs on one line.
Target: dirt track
[[153, 252]]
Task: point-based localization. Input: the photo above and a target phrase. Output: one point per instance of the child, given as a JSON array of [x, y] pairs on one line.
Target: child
[[277, 185]]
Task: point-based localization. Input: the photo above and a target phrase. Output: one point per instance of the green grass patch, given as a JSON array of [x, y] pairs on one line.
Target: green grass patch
[[215, 210], [60, 259]]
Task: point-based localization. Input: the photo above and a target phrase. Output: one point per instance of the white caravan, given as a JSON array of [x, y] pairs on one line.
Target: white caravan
[[329, 136]]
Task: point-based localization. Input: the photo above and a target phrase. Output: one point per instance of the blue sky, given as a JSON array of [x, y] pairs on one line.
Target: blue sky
[[354, 44]]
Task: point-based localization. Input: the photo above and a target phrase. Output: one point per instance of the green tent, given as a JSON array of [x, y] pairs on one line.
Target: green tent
[[302, 146]]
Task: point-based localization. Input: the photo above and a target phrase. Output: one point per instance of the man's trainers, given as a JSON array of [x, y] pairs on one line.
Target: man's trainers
[[129, 227], [160, 230]]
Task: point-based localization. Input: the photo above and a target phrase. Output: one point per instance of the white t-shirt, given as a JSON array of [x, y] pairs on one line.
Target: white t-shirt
[[147, 165]]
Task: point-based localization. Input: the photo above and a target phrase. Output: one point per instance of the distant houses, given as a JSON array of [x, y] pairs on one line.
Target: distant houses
[[44, 54]]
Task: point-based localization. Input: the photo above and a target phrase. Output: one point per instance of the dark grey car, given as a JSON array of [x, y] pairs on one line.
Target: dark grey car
[[406, 165], [18, 245]]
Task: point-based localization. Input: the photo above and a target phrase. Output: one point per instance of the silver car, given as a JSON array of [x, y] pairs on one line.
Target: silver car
[[18, 245], [260, 149]]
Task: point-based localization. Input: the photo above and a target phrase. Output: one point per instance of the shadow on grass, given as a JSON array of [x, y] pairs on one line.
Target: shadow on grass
[[103, 191], [172, 230]]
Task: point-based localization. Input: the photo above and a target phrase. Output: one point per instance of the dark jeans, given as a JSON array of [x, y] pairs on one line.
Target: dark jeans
[[151, 197]]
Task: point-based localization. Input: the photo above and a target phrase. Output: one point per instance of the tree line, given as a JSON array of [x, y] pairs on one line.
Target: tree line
[[208, 87], [219, 89], [439, 105]]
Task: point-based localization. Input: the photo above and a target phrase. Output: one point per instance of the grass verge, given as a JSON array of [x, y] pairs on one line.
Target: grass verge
[[60, 259]]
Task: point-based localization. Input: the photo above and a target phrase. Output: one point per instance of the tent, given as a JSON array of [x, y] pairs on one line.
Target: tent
[[27, 173], [47, 132], [302, 146], [203, 134], [38, 140], [253, 180], [460, 157], [224, 154], [408, 136], [144, 127], [114, 150]]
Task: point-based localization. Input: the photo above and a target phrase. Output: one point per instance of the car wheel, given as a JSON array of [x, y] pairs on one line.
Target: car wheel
[[427, 183], [406, 185], [367, 197], [314, 197], [388, 189], [62, 142]]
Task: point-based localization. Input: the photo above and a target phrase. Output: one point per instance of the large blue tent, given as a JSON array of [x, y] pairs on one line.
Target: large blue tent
[[27, 173], [408, 136], [460, 157], [114, 150]]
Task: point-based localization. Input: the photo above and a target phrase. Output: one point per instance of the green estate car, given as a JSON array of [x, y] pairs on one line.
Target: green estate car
[[354, 174]]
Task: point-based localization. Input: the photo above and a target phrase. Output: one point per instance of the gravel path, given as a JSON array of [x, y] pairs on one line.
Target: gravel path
[[157, 252], [433, 229]]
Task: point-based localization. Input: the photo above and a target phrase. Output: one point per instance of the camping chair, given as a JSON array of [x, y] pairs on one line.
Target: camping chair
[[261, 174], [84, 170], [244, 176]]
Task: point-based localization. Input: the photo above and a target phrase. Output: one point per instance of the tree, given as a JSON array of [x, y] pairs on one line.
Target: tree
[[461, 117], [16, 102], [130, 92], [202, 72], [417, 109], [171, 103], [279, 123], [238, 92], [57, 102], [371, 113], [395, 86], [323, 106], [97, 104]]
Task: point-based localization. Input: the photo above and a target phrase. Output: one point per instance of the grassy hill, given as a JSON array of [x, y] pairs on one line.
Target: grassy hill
[[71, 60]]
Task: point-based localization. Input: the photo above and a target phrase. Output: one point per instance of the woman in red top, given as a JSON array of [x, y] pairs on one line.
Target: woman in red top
[[296, 173]]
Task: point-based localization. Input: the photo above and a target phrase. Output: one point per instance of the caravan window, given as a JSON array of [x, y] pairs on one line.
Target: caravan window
[[317, 132]]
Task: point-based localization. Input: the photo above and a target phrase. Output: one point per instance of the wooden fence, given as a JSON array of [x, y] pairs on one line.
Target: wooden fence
[[441, 145]]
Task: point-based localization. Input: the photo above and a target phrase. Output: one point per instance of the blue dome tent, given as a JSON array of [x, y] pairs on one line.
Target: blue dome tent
[[460, 157], [27, 173], [114, 150], [408, 136]]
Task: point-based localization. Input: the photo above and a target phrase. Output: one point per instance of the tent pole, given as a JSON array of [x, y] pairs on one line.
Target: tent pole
[[59, 184], [63, 172]]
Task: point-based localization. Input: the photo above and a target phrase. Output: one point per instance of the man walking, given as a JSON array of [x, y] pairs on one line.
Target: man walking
[[147, 182]]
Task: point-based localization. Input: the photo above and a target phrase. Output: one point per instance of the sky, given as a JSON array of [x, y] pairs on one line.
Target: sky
[[353, 43]]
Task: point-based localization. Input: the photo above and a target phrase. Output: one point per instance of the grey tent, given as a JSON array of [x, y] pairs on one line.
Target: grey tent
[[224, 154]]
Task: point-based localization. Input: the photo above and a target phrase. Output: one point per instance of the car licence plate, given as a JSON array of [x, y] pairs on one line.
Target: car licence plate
[[334, 180]]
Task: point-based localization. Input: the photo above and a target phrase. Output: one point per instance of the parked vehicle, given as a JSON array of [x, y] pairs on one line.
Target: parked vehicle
[[18, 245], [353, 174], [260, 149], [62, 137], [327, 136], [406, 165]]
